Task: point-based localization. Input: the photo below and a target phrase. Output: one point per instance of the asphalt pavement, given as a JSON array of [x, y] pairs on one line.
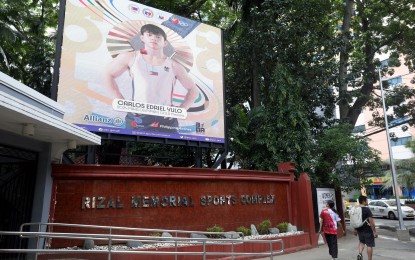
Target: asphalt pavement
[[388, 247]]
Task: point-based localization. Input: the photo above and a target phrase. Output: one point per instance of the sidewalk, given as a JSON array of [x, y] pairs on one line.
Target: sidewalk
[[387, 248]]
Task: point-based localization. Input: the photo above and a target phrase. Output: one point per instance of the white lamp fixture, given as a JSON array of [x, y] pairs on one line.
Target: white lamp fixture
[[71, 144], [28, 130]]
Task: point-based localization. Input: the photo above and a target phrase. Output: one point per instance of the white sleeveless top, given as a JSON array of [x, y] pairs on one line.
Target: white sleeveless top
[[152, 84]]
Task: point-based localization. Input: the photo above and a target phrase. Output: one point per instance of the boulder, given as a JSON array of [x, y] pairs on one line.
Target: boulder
[[274, 231], [254, 231], [134, 243], [291, 228], [196, 235], [166, 234], [88, 244], [231, 235]]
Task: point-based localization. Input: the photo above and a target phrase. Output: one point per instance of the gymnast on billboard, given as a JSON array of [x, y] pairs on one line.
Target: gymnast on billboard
[[153, 78]]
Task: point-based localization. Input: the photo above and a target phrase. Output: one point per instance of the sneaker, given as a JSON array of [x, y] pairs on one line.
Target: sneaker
[[359, 257]]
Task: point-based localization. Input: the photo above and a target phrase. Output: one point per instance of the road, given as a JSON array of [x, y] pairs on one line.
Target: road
[[388, 227]]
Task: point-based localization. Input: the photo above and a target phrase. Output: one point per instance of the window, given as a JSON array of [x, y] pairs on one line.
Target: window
[[401, 141], [392, 82], [380, 204]]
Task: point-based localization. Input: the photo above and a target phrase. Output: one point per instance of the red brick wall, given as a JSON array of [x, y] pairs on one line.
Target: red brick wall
[[72, 182]]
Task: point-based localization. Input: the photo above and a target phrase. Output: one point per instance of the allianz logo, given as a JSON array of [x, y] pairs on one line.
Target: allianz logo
[[117, 121]]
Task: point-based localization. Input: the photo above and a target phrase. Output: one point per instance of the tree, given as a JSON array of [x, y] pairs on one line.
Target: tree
[[405, 174], [31, 57], [354, 160], [7, 35], [280, 56], [370, 28], [282, 62]]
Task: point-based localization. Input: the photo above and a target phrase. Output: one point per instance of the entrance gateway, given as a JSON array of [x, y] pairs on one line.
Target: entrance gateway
[[178, 199]]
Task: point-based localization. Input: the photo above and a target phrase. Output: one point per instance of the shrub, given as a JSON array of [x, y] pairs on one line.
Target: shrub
[[283, 227], [215, 228], [246, 231], [155, 235], [264, 226], [410, 201]]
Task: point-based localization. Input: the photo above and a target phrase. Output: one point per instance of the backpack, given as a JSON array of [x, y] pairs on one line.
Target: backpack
[[356, 220]]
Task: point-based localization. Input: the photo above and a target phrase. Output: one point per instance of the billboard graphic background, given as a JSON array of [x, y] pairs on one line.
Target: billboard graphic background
[[96, 32]]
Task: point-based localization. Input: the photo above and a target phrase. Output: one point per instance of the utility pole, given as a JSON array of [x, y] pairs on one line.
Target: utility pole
[[403, 233]]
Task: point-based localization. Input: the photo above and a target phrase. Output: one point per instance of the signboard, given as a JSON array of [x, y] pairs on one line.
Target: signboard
[[127, 68], [323, 195], [376, 180]]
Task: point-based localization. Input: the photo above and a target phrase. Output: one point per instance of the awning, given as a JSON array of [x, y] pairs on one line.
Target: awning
[[24, 111]]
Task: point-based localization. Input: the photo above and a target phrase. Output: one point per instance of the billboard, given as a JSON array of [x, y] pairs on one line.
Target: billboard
[[127, 68]]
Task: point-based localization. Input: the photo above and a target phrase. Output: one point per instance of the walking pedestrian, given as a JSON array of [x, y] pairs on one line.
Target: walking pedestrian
[[367, 232], [329, 221]]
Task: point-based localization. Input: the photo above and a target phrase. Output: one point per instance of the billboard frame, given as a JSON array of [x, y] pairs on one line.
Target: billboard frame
[[199, 145]]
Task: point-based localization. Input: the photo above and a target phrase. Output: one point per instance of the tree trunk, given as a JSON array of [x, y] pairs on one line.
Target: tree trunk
[[344, 59]]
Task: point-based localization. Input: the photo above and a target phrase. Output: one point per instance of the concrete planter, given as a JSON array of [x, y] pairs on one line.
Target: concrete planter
[[291, 244]]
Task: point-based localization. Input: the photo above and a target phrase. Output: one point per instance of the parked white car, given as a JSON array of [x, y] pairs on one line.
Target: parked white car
[[388, 208]]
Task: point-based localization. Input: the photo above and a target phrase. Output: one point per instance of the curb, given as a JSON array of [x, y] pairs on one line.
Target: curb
[[394, 228]]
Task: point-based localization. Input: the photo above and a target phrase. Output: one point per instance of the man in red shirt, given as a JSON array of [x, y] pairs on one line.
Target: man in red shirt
[[329, 220]]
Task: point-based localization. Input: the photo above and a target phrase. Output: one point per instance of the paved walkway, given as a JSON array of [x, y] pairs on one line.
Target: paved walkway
[[387, 248]]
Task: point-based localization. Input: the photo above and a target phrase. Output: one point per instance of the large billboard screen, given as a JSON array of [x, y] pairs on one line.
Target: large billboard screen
[[127, 68]]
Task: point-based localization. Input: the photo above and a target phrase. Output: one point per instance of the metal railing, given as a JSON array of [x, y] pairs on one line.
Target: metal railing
[[174, 242]]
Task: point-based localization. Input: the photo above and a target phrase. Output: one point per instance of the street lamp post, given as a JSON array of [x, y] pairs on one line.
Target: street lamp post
[[403, 233]]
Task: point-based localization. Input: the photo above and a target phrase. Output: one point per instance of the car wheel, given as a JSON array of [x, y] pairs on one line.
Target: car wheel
[[391, 215]]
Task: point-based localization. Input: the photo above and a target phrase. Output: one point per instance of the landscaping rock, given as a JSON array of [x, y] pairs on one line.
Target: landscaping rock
[[291, 228], [88, 244], [254, 231], [196, 235], [231, 235], [166, 234], [133, 244], [274, 231]]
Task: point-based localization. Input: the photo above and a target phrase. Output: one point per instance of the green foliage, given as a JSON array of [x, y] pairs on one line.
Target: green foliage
[[353, 158], [215, 228], [30, 42], [281, 62], [283, 227], [282, 57], [274, 35], [160, 155], [410, 201], [278, 131], [376, 27], [405, 174], [264, 226], [155, 234], [246, 231]]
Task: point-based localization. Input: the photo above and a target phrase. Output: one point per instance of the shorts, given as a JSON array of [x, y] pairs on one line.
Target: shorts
[[367, 238]]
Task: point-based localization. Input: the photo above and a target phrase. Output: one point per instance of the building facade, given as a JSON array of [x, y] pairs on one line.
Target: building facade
[[401, 132], [33, 135]]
